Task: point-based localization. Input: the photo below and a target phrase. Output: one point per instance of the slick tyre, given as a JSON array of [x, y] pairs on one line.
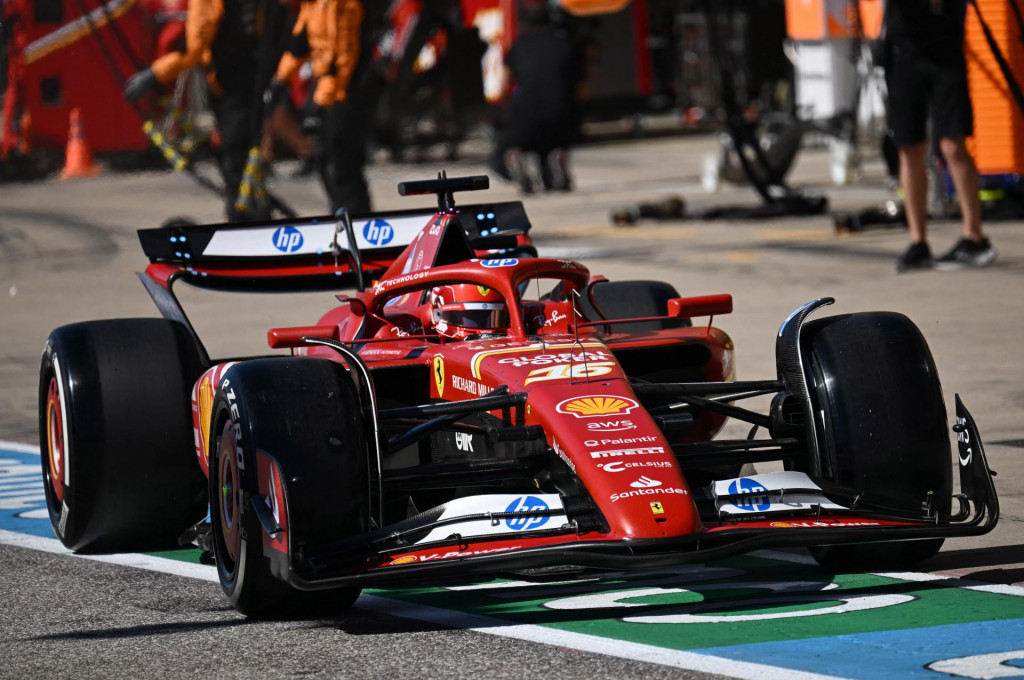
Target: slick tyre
[[115, 427], [881, 427], [304, 416]]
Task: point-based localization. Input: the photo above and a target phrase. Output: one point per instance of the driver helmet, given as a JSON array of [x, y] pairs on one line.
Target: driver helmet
[[461, 310]]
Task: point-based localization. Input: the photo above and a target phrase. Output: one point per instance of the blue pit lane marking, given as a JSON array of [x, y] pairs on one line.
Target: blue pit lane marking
[[22, 502], [972, 650]]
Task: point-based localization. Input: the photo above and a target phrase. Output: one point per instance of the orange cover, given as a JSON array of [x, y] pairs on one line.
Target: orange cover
[[821, 19], [998, 141]]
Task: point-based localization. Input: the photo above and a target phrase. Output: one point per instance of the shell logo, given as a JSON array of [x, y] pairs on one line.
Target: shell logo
[[598, 405], [403, 560]]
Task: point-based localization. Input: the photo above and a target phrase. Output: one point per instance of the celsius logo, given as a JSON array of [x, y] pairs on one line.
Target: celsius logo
[[526, 504], [378, 233], [645, 482], [287, 239], [746, 486]]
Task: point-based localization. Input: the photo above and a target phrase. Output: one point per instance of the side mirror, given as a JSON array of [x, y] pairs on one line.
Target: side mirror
[[703, 305]]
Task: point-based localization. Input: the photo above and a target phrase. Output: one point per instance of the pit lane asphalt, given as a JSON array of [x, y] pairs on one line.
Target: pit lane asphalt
[[68, 252]]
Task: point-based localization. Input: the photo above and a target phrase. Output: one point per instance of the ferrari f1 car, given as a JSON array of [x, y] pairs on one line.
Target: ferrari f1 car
[[472, 410]]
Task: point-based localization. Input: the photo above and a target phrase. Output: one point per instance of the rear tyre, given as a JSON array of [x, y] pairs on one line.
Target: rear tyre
[[115, 426], [884, 433], [304, 415]]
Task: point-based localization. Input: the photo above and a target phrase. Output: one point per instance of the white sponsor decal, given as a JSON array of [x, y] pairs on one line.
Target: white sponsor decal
[[611, 426], [963, 439], [560, 358], [623, 465], [298, 239], [621, 441], [464, 441], [615, 453], [668, 490], [527, 350], [770, 492], [645, 482], [563, 455], [556, 316], [469, 386], [398, 281], [236, 419], [494, 503]]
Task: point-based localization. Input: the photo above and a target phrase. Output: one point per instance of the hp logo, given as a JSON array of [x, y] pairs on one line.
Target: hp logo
[[526, 504], [749, 486], [287, 239], [378, 233], [503, 262]]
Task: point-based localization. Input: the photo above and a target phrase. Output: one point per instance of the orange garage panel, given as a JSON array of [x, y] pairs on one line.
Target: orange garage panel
[[998, 142]]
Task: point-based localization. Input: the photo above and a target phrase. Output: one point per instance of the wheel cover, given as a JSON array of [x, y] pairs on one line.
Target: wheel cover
[[55, 448], [227, 498]]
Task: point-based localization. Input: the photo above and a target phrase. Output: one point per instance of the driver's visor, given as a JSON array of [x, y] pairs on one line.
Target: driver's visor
[[474, 315]]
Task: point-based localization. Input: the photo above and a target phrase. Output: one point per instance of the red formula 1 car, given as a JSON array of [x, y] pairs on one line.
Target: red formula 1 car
[[473, 410]]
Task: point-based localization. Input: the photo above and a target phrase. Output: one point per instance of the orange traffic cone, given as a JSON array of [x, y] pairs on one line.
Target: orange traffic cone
[[78, 159]]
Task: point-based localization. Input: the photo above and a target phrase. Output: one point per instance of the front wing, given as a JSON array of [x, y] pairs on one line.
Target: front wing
[[446, 553]]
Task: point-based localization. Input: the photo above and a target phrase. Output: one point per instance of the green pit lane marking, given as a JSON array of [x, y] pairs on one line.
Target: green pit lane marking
[[743, 600]]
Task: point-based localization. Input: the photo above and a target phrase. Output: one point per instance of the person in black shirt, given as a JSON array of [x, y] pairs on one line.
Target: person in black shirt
[[544, 69], [926, 72]]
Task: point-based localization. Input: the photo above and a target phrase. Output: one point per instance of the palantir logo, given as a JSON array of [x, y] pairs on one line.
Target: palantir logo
[[526, 504], [287, 239], [745, 485], [378, 233]]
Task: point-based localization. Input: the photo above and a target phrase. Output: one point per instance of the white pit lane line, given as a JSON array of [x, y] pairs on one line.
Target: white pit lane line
[[459, 620], [482, 624]]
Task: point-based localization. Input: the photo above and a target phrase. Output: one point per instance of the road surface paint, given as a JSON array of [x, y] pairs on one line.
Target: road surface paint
[[762, 615]]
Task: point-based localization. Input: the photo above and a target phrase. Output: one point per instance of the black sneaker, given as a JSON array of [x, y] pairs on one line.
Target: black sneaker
[[918, 256], [967, 253]]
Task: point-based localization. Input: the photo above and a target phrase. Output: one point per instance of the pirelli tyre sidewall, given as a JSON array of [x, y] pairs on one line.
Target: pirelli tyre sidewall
[[881, 424], [303, 415], [115, 427]]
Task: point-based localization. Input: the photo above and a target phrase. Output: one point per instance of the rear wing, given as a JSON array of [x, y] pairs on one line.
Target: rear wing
[[308, 254], [314, 253]]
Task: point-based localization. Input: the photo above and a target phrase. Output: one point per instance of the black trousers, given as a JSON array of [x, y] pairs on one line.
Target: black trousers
[[233, 111], [342, 156]]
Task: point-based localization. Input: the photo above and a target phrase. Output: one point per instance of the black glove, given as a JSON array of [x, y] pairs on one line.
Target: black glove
[[274, 94], [139, 84]]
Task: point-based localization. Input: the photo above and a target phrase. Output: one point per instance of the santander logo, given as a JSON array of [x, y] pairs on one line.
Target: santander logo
[[645, 482]]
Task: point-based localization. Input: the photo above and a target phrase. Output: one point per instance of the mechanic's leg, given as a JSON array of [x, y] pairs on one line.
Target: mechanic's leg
[[343, 158], [965, 179], [233, 122], [914, 178]]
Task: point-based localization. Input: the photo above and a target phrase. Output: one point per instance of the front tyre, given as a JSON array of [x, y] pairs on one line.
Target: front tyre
[[881, 427], [293, 426]]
